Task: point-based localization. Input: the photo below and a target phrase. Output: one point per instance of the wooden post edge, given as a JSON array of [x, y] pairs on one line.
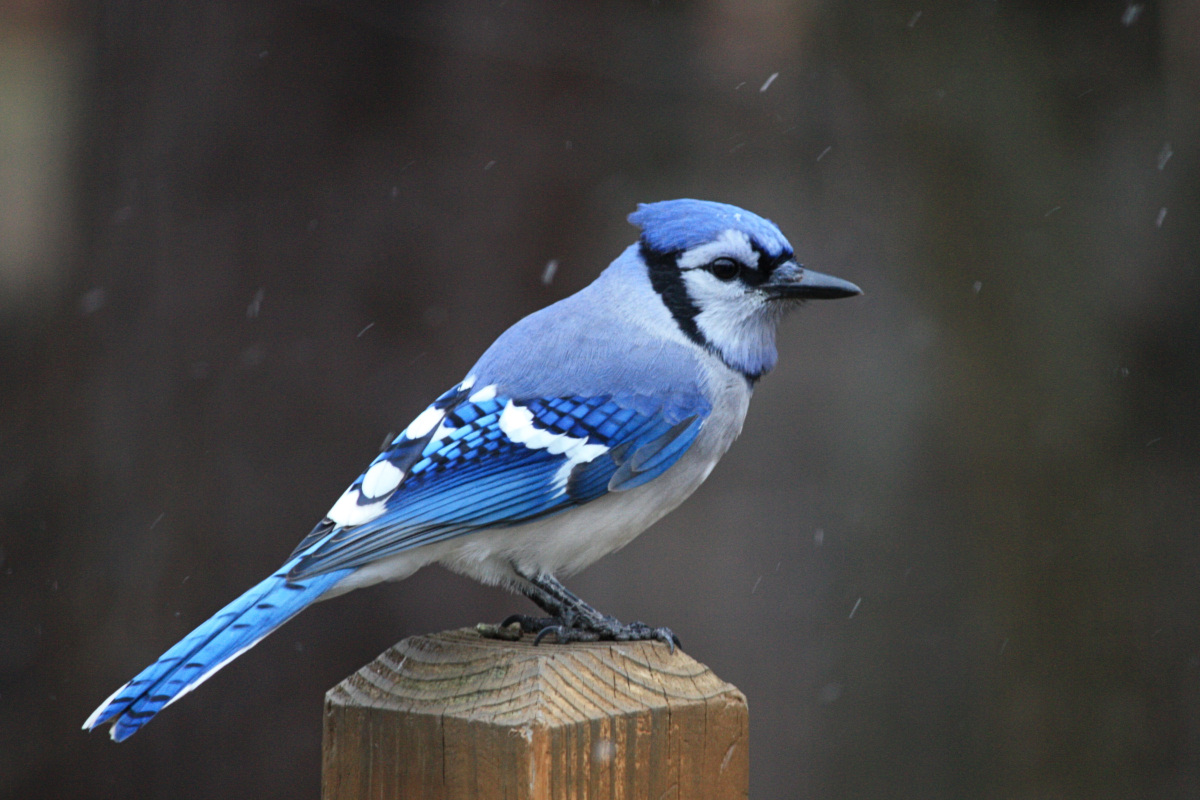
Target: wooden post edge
[[454, 715]]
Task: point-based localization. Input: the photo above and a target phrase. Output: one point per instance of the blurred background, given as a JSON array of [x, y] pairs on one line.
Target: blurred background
[[955, 553]]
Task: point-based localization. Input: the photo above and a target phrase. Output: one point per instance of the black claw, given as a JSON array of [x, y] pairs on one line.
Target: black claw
[[564, 634], [642, 631], [549, 629], [668, 637]]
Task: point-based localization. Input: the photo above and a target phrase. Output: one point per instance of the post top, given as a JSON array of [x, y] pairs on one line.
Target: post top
[[462, 674]]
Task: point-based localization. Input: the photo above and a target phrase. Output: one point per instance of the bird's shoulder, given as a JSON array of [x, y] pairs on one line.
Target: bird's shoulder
[[596, 343]]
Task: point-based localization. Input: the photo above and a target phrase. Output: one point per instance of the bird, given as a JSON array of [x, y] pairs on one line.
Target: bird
[[581, 426]]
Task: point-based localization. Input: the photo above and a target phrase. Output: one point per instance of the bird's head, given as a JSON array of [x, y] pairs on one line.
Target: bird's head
[[727, 276]]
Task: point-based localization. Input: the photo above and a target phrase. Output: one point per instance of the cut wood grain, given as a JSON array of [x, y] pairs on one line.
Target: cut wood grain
[[455, 715]]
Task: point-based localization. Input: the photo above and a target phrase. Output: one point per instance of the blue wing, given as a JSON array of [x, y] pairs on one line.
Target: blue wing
[[468, 462], [486, 461]]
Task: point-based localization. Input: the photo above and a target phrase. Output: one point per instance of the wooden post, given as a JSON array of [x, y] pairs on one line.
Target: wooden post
[[454, 715]]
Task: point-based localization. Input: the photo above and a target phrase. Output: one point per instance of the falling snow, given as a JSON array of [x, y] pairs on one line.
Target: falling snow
[[255, 307], [830, 692], [1164, 155], [93, 300]]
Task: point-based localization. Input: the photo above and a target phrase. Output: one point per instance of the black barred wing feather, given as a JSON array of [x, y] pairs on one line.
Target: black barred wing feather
[[488, 461]]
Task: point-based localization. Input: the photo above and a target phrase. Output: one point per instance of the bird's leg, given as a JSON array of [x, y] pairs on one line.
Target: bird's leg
[[574, 620], [565, 608], [562, 614]]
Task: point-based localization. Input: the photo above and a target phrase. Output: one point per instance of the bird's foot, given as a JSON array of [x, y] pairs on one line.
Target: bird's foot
[[515, 625], [608, 629], [507, 633], [604, 629]]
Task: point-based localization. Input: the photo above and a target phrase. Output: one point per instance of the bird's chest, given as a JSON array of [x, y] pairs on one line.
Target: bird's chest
[[621, 516], [730, 401]]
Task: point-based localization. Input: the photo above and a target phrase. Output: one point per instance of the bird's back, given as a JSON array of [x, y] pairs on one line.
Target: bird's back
[[613, 337]]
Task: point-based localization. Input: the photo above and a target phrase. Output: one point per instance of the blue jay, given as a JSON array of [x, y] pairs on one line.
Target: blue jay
[[579, 428]]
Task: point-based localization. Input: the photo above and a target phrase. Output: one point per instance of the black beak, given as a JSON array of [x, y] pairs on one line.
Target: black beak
[[790, 281]]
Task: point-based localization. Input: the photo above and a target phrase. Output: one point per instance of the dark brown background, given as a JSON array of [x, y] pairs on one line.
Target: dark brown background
[[954, 554]]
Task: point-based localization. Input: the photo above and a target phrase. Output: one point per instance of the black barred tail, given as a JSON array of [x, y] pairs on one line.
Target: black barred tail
[[229, 633]]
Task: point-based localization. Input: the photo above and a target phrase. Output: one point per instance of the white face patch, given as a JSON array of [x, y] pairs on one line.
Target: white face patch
[[730, 244], [739, 322], [426, 421], [725, 308], [382, 478], [517, 424]]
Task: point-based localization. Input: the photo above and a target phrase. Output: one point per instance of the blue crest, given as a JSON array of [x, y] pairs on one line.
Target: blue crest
[[682, 224]]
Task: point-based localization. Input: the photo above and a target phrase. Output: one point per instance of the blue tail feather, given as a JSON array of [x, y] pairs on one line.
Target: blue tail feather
[[226, 635]]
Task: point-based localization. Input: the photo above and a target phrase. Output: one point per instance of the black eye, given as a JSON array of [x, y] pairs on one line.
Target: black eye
[[725, 269]]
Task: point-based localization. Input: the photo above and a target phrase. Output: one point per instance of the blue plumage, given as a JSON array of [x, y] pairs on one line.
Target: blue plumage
[[475, 475], [579, 427], [229, 632], [683, 224]]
